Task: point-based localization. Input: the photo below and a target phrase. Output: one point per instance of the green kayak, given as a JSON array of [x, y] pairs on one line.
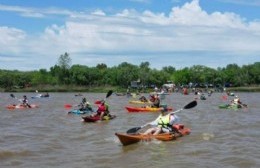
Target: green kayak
[[233, 107]]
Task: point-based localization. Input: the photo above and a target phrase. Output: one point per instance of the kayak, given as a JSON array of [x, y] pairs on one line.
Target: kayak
[[233, 107], [139, 102], [40, 96], [97, 118], [77, 111], [20, 106], [146, 109], [128, 139]]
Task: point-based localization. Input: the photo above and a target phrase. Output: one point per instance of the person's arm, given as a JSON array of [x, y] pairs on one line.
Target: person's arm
[[153, 123]]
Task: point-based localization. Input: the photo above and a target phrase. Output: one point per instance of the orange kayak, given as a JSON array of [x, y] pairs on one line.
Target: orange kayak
[[128, 139], [20, 106], [146, 109]]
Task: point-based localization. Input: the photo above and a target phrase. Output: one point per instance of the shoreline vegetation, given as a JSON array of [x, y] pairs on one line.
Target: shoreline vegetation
[[63, 77], [104, 89]]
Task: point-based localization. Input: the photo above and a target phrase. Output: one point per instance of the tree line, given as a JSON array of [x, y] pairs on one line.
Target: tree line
[[63, 73]]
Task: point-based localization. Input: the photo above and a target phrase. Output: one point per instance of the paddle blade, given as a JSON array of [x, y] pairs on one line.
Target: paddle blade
[[133, 130], [224, 97], [190, 105], [12, 95], [67, 105], [109, 93]]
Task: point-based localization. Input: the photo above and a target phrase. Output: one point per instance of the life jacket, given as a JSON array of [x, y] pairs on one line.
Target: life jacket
[[168, 122], [103, 108], [164, 121]]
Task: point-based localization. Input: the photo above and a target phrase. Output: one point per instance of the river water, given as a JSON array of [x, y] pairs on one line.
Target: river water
[[49, 137]]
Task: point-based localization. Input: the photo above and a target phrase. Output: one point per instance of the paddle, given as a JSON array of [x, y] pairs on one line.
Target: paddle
[[109, 93], [188, 106]]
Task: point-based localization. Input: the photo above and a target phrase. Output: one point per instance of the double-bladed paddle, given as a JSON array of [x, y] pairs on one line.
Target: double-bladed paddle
[[188, 106]]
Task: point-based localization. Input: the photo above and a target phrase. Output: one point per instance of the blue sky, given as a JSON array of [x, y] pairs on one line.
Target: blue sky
[[178, 33]]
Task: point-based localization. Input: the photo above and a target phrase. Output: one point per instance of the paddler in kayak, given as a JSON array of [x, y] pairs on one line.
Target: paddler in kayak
[[85, 105], [25, 102], [143, 99], [103, 110], [236, 102], [155, 99], [164, 123]]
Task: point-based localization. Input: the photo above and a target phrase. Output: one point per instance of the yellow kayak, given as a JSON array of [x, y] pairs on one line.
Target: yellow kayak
[[139, 102]]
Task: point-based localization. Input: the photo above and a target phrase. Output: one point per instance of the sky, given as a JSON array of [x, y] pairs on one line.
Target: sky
[[177, 33]]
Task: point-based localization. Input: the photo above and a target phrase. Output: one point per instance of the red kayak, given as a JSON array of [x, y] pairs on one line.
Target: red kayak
[[97, 118], [20, 106], [146, 109], [128, 139]]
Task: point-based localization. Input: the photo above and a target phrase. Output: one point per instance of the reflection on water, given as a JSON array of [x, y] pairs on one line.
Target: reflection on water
[[49, 137]]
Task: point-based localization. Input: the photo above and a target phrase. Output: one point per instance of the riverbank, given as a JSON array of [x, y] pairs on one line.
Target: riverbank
[[104, 89]]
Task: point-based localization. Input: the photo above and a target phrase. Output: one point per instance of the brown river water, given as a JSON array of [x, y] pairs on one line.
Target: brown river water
[[49, 137]]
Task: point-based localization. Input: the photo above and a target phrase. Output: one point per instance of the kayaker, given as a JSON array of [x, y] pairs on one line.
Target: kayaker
[[185, 91], [143, 99], [85, 105], [82, 104], [88, 107], [164, 123], [156, 101], [236, 101], [25, 102], [103, 110]]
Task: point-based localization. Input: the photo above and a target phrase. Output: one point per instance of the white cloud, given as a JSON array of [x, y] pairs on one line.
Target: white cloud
[[129, 34]]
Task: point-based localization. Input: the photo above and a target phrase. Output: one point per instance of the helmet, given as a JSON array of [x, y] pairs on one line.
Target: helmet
[[24, 96]]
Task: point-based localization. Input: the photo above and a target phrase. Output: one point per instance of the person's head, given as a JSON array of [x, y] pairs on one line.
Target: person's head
[[84, 99], [24, 96], [87, 103], [236, 97], [102, 102], [164, 111]]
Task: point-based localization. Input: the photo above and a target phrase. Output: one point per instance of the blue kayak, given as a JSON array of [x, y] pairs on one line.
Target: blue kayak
[[41, 96], [77, 111]]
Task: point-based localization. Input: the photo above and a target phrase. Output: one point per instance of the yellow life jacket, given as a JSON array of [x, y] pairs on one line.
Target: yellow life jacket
[[164, 121]]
